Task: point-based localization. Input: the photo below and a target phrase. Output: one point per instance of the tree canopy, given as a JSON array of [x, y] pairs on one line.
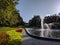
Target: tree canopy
[[35, 21], [55, 19], [52, 18], [9, 15]]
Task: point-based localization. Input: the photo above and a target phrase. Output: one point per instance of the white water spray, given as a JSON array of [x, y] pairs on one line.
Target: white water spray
[[42, 28], [47, 26], [44, 32], [47, 31]]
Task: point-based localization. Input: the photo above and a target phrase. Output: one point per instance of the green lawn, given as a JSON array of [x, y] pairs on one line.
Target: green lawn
[[15, 37], [6, 29]]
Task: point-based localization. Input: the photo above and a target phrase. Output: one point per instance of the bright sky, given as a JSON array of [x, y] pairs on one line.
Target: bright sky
[[29, 8]]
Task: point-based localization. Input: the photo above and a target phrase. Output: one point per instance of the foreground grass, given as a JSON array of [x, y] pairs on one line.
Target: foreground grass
[[15, 37]]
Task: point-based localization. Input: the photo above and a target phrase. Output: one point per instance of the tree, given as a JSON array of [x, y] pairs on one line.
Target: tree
[[9, 16], [51, 19], [35, 21], [55, 19]]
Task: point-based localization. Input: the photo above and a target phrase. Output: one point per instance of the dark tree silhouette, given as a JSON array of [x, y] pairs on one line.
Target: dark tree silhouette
[[35, 21]]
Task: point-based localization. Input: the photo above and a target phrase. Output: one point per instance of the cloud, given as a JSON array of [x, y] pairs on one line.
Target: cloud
[[48, 15]]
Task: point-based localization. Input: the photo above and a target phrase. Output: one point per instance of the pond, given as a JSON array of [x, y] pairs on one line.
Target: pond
[[47, 33]]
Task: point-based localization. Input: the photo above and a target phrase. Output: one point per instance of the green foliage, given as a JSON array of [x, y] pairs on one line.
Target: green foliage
[[15, 37], [9, 36], [51, 19], [15, 42], [35, 21], [55, 19], [9, 16]]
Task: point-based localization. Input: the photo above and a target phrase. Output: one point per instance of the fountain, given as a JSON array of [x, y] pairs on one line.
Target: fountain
[[46, 26], [42, 28], [47, 31], [44, 32]]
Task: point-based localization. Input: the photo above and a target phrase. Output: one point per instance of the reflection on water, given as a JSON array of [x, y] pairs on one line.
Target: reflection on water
[[48, 33]]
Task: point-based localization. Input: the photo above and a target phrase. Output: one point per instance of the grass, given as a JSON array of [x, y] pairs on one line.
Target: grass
[[3, 29], [14, 36]]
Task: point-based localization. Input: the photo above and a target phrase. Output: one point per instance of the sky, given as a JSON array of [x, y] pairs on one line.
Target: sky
[[29, 8]]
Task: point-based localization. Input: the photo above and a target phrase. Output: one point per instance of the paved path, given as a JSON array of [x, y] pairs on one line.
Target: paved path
[[25, 36], [26, 40]]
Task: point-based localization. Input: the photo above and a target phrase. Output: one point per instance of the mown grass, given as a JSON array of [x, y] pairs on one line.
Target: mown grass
[[3, 29]]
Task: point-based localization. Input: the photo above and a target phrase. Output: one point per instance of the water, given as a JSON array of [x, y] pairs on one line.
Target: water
[[43, 30], [48, 29], [52, 33], [42, 27], [47, 26], [47, 32]]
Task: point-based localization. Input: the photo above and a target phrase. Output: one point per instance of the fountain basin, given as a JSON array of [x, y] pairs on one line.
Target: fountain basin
[[49, 34]]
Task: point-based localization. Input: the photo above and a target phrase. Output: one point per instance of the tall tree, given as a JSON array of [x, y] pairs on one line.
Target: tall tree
[[9, 15], [35, 21]]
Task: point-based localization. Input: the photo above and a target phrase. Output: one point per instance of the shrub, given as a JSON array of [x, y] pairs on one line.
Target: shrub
[[4, 38], [19, 30], [15, 42]]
